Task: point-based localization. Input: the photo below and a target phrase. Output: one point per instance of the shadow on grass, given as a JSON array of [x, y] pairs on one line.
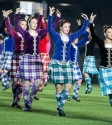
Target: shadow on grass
[[72, 116], [49, 112]]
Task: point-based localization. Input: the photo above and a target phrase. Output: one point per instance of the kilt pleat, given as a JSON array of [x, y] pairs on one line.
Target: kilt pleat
[[6, 58], [30, 67], [60, 72], [77, 72], [45, 60], [16, 59], [105, 80], [89, 65]]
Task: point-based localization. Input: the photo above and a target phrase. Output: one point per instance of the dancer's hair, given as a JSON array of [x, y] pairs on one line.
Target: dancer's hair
[[62, 22], [106, 27]]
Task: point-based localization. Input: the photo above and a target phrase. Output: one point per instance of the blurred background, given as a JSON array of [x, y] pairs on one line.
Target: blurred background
[[70, 10]]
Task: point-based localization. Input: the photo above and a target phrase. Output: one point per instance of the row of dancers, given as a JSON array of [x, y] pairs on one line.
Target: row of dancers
[[30, 61]]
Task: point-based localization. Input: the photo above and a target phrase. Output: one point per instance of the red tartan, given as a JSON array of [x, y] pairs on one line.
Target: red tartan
[[45, 60]]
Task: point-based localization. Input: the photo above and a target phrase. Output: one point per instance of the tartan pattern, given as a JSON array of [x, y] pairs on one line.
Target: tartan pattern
[[76, 89], [6, 59], [30, 67], [5, 79], [15, 65], [60, 72], [45, 78], [77, 72], [89, 65], [45, 60], [105, 80]]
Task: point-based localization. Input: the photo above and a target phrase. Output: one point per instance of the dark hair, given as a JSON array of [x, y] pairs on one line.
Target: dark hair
[[22, 20], [63, 22], [1, 37], [106, 27]]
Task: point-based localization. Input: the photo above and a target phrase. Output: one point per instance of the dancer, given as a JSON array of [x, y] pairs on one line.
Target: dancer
[[89, 66], [6, 58], [74, 52], [31, 64], [16, 58], [105, 68], [60, 67]]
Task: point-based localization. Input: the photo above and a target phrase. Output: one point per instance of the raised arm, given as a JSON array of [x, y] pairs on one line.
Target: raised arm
[[55, 23], [7, 23], [82, 30], [94, 36], [19, 29], [9, 28], [84, 40], [50, 28], [40, 10]]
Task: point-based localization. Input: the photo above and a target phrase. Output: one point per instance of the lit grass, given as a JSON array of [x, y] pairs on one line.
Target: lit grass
[[92, 110]]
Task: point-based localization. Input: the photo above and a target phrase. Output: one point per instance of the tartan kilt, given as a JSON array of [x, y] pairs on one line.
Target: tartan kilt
[[45, 60], [16, 59], [60, 72], [30, 68], [89, 65], [105, 80], [5, 62], [77, 72]]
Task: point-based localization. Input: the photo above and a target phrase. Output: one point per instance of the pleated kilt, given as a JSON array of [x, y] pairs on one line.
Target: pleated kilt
[[77, 72], [105, 80], [5, 62], [45, 60], [61, 72], [16, 59], [89, 65], [30, 67]]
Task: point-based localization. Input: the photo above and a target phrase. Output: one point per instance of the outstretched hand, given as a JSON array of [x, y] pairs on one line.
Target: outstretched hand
[[51, 10], [40, 9], [58, 13], [18, 10], [92, 17], [84, 16], [79, 22], [6, 13]]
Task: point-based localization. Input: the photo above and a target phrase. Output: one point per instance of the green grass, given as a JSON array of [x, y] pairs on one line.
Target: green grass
[[92, 110]]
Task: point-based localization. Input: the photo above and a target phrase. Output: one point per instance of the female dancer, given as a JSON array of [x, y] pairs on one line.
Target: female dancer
[[60, 67], [16, 58], [74, 52], [105, 68], [31, 64], [6, 57], [89, 66], [44, 50]]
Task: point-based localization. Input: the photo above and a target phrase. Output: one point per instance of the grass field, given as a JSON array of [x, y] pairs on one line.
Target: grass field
[[92, 110]]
